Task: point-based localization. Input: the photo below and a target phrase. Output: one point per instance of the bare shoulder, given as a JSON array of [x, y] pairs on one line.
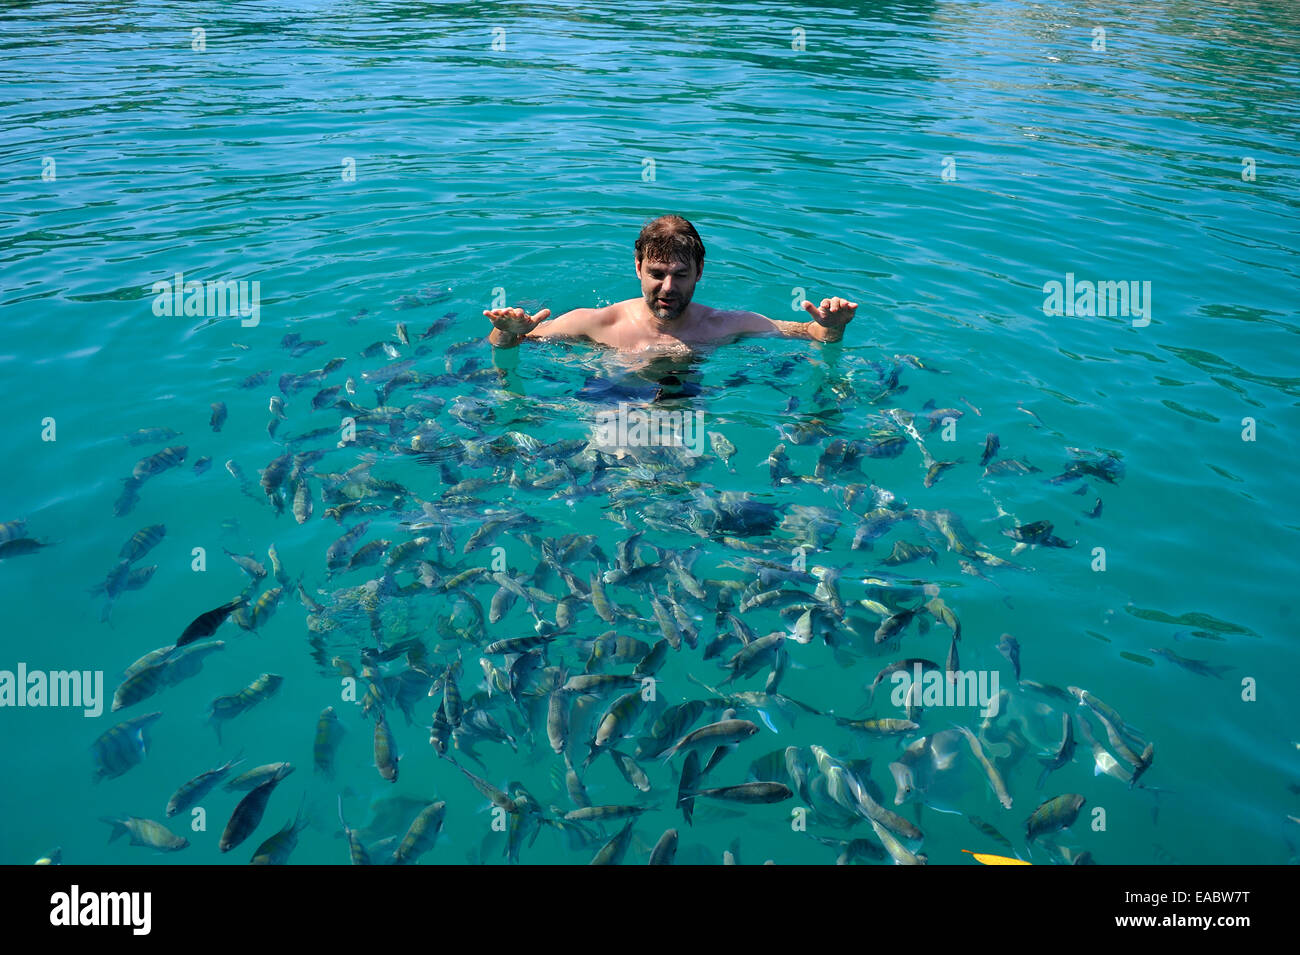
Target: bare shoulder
[[618, 312], [723, 321]]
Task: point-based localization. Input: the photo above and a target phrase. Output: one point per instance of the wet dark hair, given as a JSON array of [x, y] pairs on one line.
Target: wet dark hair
[[670, 239]]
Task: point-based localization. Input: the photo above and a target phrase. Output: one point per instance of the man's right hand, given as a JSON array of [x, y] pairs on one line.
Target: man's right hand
[[512, 324]]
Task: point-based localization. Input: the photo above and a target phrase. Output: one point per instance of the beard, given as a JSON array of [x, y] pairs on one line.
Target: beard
[[666, 313]]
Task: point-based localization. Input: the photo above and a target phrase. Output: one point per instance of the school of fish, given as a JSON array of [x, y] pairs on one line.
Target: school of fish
[[657, 641]]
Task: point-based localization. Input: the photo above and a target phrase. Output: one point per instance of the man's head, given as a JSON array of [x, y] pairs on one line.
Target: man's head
[[669, 261]]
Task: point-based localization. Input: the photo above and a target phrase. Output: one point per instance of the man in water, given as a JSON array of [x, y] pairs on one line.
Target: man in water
[[669, 261]]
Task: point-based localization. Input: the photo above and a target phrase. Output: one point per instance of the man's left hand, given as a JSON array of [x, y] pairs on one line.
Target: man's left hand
[[833, 313]]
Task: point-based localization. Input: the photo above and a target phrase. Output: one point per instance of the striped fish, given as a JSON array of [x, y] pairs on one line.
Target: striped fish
[[141, 542], [421, 835], [156, 464], [191, 792], [228, 707], [247, 815], [356, 850], [328, 733], [276, 849], [122, 747]]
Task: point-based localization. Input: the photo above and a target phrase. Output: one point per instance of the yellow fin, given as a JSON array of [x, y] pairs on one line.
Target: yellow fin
[[986, 859]]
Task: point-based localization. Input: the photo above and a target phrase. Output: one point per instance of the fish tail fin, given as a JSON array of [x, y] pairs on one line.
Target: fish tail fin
[[118, 827], [803, 706]]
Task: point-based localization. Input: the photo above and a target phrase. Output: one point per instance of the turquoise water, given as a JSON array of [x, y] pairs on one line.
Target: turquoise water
[[524, 169]]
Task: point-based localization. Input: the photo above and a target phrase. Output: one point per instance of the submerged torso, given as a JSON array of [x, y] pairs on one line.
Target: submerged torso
[[654, 374]]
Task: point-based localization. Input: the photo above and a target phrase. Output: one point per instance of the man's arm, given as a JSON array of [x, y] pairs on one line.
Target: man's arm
[[827, 325], [513, 325]]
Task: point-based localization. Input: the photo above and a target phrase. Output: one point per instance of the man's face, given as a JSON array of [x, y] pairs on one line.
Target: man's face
[[667, 287]]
